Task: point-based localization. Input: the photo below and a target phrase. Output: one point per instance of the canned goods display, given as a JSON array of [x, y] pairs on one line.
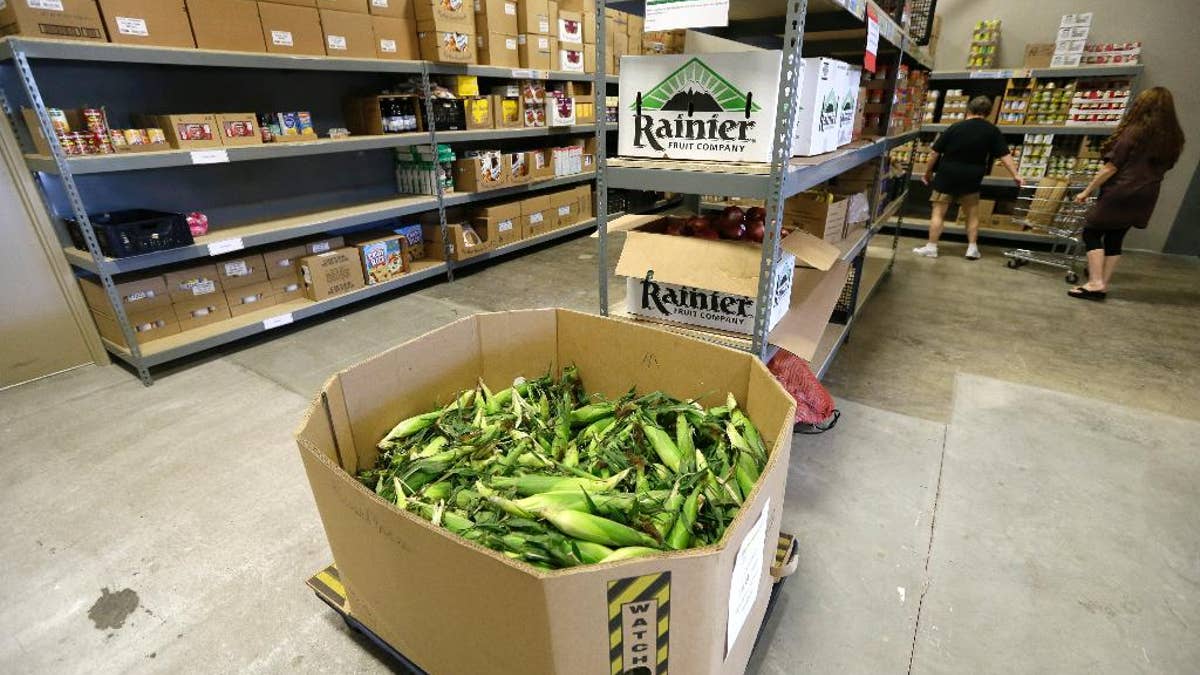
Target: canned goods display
[[102, 143], [155, 136], [68, 144], [134, 137], [117, 140], [58, 119]]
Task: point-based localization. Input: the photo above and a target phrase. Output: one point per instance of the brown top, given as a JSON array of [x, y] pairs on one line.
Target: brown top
[[1128, 198]]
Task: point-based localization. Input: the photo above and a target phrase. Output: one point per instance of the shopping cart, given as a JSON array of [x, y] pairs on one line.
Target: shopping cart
[[1050, 207]]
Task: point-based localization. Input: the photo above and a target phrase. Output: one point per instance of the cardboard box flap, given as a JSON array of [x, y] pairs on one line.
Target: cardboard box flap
[[720, 266], [811, 250], [814, 293]]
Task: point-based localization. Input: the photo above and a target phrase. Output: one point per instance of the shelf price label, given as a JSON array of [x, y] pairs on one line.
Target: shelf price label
[[277, 321], [872, 40], [672, 14], [210, 157], [226, 246]]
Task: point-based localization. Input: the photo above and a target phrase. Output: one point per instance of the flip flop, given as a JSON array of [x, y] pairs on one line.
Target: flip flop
[[1084, 294]]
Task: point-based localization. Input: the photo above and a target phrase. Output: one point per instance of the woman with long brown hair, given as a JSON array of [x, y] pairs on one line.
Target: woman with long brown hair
[[1143, 149]]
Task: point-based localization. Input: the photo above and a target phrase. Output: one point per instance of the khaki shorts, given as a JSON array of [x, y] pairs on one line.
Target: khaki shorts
[[964, 200]]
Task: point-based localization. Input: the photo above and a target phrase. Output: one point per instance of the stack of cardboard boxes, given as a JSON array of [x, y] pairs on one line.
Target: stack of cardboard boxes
[[484, 229], [535, 34], [484, 170]]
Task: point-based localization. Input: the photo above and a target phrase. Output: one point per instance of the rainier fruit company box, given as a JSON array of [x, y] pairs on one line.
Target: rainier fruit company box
[[699, 106]]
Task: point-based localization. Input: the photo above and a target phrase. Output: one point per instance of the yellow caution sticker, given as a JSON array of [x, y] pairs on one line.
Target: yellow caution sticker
[[639, 622]]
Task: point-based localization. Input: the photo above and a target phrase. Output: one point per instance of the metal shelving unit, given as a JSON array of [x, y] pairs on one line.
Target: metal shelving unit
[[1021, 129], [827, 22], [1079, 71], [60, 175]]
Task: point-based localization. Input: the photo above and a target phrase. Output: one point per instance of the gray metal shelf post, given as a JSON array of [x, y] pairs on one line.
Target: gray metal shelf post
[[29, 83], [600, 91], [781, 155], [447, 248]]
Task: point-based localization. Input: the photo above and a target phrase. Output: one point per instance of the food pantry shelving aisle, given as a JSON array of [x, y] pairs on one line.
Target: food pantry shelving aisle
[[36, 73], [815, 293], [991, 82]]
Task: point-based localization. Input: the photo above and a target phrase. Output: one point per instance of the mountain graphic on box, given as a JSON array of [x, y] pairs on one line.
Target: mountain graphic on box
[[694, 87]]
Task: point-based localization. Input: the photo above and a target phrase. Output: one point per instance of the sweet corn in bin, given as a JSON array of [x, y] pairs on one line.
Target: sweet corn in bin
[[458, 498]]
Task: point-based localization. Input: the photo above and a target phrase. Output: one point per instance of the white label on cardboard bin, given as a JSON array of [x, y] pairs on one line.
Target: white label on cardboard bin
[[387, 46], [543, 43], [237, 268], [747, 576], [535, 218], [226, 246], [510, 8], [204, 287], [210, 157], [564, 211], [511, 45], [379, 3], [52, 5], [132, 26], [505, 226], [336, 42], [3, 5], [282, 38], [277, 321], [543, 24], [320, 247]]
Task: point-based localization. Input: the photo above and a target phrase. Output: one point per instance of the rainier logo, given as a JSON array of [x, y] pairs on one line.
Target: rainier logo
[[694, 108], [829, 111]]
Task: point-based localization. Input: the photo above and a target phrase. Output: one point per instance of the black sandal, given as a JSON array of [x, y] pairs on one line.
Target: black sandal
[[1084, 294]]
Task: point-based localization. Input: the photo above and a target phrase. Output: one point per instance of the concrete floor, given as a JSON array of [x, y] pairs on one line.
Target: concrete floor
[[984, 506]]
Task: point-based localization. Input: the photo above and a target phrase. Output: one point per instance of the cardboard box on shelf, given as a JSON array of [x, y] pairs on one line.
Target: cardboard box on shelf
[[283, 263], [364, 115], [1039, 55], [570, 60], [331, 273], [397, 9], [465, 241], [570, 29], [587, 202], [192, 282], [620, 42], [65, 20], [348, 34], [502, 222], [541, 163], [238, 129], [291, 30], [552, 14], [231, 25], [391, 558], [288, 288], [478, 112], [518, 168], [457, 16], [184, 132], [356, 6], [498, 49], [135, 294], [589, 58], [462, 85], [817, 123], [246, 299], [533, 17], [668, 84], [162, 23], [536, 51], [560, 110], [848, 93], [496, 16], [589, 27], [822, 216], [192, 314], [395, 38], [242, 270], [323, 245], [486, 171], [566, 208], [447, 47], [383, 258], [151, 324], [538, 216], [297, 3], [506, 112]]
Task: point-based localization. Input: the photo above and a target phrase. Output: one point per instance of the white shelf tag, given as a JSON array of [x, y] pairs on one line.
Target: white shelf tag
[[747, 576], [226, 246], [277, 321], [210, 157], [523, 74]]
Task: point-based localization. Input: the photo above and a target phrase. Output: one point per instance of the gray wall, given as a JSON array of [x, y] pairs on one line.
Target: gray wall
[[1170, 35]]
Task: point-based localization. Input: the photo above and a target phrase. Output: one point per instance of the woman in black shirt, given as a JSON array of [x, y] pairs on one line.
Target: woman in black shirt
[[962, 156]]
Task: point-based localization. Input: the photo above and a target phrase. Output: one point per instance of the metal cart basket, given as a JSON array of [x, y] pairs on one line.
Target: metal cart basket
[[1050, 207]]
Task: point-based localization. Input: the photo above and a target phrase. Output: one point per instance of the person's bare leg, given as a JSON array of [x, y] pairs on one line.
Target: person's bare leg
[[937, 222], [1096, 267], [1110, 266], [972, 231]]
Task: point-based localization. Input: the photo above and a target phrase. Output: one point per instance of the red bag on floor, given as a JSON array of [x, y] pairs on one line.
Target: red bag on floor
[[814, 406]]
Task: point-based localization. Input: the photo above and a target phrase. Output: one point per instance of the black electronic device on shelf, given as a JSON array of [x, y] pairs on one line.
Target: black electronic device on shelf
[[133, 232]]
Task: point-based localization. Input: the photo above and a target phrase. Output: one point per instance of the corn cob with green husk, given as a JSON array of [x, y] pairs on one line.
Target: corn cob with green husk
[[550, 476]]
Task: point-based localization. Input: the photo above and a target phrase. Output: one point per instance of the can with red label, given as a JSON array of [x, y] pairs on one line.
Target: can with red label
[[116, 140], [93, 119], [69, 144], [58, 120]]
